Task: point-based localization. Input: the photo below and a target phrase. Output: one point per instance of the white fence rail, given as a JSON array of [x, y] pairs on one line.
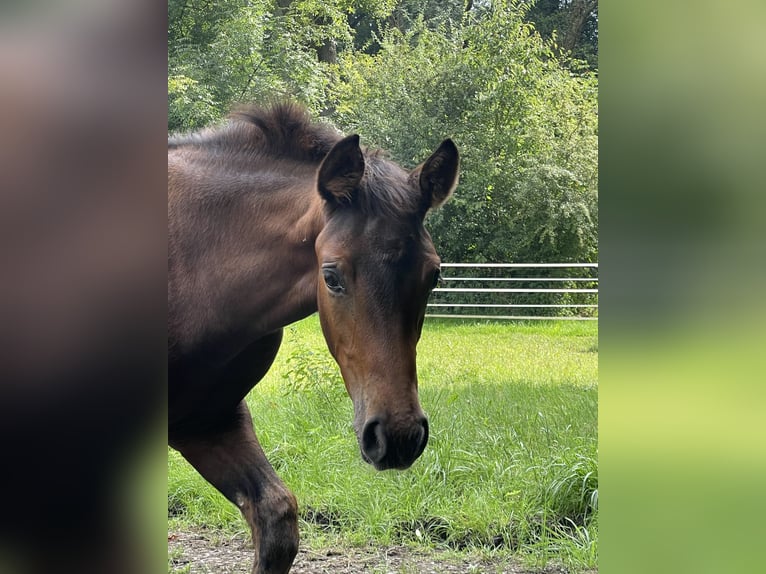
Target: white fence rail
[[544, 291]]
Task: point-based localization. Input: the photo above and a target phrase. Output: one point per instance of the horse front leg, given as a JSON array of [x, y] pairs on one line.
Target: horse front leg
[[232, 460]]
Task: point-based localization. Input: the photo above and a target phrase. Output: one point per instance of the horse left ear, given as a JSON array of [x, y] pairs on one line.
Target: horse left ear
[[341, 171], [438, 175]]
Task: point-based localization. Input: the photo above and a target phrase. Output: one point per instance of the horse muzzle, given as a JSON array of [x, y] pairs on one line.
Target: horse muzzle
[[393, 446]]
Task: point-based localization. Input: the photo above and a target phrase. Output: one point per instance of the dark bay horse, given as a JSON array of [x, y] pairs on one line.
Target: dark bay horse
[[271, 218]]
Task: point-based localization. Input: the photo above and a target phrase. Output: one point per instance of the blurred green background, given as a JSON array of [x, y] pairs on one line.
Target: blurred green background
[[683, 278]]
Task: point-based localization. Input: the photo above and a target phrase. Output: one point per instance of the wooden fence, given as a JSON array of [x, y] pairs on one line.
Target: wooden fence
[[538, 291]]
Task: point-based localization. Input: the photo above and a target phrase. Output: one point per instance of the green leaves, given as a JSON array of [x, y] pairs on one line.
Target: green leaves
[[526, 128], [190, 104], [243, 51]]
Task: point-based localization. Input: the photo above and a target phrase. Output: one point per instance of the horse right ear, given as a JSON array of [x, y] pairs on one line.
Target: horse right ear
[[437, 176], [341, 171]]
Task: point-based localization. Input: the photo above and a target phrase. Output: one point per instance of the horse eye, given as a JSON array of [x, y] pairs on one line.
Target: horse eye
[[332, 280]]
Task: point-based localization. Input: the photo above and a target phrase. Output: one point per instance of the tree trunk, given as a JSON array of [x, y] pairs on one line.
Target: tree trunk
[[579, 12], [328, 51]]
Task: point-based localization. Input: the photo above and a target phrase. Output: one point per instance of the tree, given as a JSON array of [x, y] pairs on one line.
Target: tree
[[403, 15], [573, 23], [230, 51], [526, 128], [224, 53]]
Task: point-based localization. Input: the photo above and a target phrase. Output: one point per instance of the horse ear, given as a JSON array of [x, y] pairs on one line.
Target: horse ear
[[341, 171], [438, 175]]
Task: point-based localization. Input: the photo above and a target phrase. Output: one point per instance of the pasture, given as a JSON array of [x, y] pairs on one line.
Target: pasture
[[510, 468]]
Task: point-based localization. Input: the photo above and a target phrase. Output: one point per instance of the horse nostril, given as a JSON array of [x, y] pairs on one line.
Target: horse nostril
[[374, 441]]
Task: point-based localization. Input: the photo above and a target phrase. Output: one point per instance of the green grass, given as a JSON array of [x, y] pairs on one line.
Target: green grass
[[510, 467]]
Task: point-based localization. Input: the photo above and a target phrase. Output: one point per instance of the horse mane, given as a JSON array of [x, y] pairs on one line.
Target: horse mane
[[285, 130], [282, 129]]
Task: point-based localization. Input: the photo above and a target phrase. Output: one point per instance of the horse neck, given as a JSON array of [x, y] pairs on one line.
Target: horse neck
[[251, 272], [280, 272]]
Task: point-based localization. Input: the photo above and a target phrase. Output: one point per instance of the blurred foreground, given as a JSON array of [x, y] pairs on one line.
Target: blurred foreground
[[82, 295]]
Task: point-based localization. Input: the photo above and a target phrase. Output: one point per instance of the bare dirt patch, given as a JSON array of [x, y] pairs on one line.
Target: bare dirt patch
[[206, 553]]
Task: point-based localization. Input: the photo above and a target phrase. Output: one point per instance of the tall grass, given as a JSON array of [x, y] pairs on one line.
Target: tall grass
[[510, 467]]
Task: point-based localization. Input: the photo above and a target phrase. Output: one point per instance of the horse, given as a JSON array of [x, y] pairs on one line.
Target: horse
[[272, 217]]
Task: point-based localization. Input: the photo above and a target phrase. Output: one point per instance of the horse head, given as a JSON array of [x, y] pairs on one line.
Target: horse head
[[376, 268]]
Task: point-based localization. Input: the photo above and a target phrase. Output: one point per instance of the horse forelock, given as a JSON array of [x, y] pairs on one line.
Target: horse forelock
[[385, 190]]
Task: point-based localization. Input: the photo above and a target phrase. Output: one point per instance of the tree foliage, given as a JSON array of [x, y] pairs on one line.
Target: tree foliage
[[405, 74], [572, 26]]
